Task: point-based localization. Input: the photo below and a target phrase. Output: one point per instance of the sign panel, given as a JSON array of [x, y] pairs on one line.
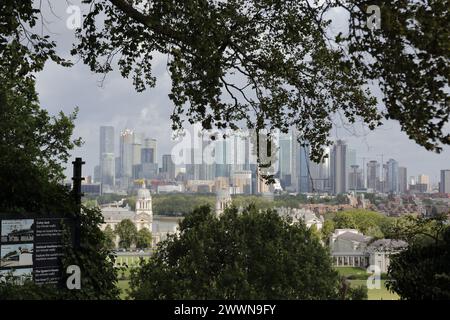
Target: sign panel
[[33, 248]]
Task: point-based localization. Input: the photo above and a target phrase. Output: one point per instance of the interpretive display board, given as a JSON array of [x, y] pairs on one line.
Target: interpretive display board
[[32, 247]]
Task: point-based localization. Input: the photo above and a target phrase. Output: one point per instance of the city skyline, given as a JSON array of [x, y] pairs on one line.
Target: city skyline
[[112, 101], [340, 172]]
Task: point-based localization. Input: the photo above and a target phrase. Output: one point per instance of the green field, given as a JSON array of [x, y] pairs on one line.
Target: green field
[[123, 285], [376, 294], [349, 271], [373, 294]]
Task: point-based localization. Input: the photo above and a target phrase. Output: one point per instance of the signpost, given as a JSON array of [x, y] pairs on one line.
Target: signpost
[[32, 245]]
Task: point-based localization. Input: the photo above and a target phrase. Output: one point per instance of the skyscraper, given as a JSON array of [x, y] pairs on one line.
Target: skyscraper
[[168, 166], [444, 184], [106, 155], [285, 158], [350, 161], [402, 180], [373, 175], [392, 176], [425, 180], [148, 157], [149, 151], [339, 167], [126, 157], [355, 178]]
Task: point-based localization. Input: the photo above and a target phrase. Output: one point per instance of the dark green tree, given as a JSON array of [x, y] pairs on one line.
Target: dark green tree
[[252, 255], [144, 239], [110, 237], [422, 271], [127, 232], [275, 64], [33, 148]]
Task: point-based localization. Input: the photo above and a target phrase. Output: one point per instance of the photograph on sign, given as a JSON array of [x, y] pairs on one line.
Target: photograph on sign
[[17, 230], [19, 276], [16, 255]]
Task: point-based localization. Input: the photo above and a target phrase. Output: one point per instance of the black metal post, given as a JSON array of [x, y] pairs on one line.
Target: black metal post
[[77, 194]]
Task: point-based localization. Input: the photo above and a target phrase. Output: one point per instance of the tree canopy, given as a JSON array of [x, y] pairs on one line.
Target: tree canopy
[[275, 64], [33, 148], [251, 255], [127, 232], [422, 271]]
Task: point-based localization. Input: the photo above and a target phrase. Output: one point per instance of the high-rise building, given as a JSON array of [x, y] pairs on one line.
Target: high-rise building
[[373, 175], [392, 176], [285, 158], [168, 167], [126, 157], [148, 157], [355, 178], [339, 167], [425, 180], [350, 161], [305, 182], [444, 184], [107, 169], [149, 151], [402, 180], [106, 140], [106, 156]]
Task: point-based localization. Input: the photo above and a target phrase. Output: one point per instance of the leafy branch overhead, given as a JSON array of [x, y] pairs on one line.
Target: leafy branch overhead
[[275, 64]]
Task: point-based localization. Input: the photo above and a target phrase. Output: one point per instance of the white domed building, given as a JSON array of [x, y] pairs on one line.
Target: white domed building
[[144, 213], [142, 217]]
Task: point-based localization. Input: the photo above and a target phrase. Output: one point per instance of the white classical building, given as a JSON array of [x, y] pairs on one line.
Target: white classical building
[[142, 217], [351, 248], [223, 200], [305, 215], [113, 214]]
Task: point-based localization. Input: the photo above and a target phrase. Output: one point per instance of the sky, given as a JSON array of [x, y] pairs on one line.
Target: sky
[[115, 102]]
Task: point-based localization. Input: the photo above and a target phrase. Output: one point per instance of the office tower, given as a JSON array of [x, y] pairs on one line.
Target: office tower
[[222, 157], [241, 182], [107, 169], [412, 180], [285, 159], [323, 182], [168, 167], [373, 175], [149, 151], [339, 167], [126, 157], [392, 176], [425, 180], [97, 174], [402, 180], [106, 153], [355, 178], [300, 164], [148, 168], [444, 184], [117, 168], [350, 161], [106, 139], [302, 167]]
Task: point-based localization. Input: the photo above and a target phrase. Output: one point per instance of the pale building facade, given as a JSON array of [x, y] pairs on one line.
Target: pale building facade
[[351, 248]]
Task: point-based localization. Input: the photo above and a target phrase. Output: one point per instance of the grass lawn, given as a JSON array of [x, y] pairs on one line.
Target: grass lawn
[[348, 271], [376, 294], [123, 285], [373, 294]]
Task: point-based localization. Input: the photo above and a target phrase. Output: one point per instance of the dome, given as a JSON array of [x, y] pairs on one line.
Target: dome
[[143, 193]]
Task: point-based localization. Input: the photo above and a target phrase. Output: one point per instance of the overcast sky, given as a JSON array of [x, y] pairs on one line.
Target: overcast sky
[[116, 103]]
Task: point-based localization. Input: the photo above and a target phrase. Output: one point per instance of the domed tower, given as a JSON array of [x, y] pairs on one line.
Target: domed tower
[[144, 213], [223, 200]]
